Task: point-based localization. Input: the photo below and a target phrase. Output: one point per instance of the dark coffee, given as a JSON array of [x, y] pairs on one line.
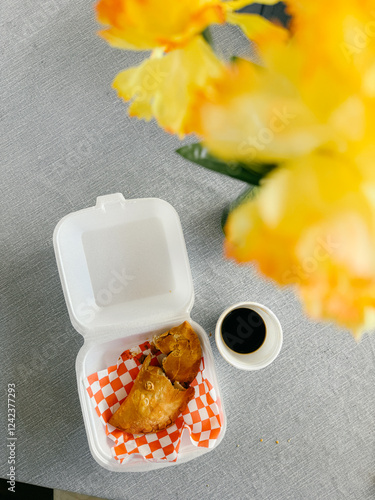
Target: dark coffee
[[243, 330]]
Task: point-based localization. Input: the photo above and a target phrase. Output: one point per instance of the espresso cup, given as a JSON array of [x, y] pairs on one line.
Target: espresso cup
[[247, 330]]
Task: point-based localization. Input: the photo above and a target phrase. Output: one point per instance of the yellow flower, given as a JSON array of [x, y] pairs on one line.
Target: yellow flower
[[147, 24], [340, 43], [250, 113], [255, 27], [312, 224], [163, 86], [340, 36], [284, 110], [170, 24]]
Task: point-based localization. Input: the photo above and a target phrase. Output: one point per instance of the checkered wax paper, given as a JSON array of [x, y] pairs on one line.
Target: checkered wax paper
[[108, 389]]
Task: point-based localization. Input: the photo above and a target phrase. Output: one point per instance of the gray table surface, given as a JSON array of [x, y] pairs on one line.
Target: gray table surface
[[66, 139]]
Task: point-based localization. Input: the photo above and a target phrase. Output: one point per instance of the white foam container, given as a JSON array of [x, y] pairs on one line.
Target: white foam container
[[125, 274]]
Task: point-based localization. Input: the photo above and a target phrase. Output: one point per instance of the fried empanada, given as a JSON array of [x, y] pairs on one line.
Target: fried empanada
[[153, 402], [183, 349]]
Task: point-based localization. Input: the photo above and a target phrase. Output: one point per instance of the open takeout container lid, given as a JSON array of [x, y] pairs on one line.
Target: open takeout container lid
[[123, 265]]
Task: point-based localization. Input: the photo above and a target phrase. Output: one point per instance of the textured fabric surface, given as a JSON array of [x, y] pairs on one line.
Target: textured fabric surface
[[65, 139]]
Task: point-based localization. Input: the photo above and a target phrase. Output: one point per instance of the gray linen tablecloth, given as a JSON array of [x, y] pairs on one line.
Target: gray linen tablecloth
[[66, 139]]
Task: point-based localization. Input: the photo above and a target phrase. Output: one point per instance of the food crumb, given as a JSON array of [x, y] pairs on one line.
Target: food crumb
[[210, 334], [289, 440], [261, 440], [238, 446], [277, 442]]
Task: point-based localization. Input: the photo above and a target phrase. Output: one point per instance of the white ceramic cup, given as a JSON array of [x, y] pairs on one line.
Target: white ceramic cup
[[266, 353]]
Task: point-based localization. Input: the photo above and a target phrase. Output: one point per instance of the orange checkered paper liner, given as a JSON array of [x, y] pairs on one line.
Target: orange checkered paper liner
[[108, 389]]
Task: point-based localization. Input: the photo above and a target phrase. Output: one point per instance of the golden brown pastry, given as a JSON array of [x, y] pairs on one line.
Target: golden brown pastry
[[153, 402], [183, 349]]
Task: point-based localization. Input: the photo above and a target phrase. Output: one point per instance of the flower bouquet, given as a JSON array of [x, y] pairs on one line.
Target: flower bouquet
[[298, 128]]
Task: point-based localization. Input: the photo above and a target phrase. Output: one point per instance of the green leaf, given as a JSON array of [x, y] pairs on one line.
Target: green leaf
[[252, 174], [206, 33], [245, 195]]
